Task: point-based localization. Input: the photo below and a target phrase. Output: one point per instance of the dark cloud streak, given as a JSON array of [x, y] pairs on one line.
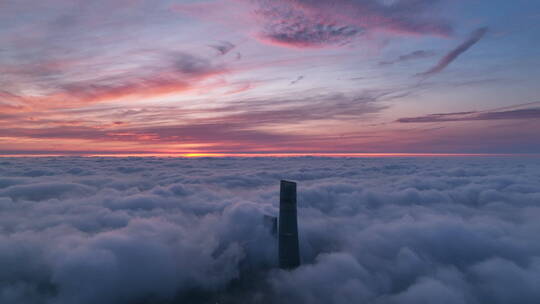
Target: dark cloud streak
[[223, 47], [411, 56], [296, 80], [455, 53]]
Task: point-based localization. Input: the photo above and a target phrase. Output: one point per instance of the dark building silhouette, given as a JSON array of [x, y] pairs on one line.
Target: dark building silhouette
[[289, 252]]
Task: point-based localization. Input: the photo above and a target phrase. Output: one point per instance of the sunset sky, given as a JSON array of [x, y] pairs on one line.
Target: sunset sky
[[269, 76]]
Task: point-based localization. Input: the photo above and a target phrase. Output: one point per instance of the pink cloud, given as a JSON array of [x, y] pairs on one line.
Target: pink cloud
[[184, 72]]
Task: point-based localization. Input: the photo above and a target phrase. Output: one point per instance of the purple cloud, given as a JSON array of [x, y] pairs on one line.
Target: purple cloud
[[302, 35], [531, 113], [300, 23]]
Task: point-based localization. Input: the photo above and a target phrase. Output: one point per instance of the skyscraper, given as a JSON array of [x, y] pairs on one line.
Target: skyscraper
[[289, 252]]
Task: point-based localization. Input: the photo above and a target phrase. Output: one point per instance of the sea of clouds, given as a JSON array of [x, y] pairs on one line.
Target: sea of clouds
[[178, 230]]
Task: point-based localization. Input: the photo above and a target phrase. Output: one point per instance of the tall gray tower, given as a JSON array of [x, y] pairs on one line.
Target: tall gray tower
[[289, 252]]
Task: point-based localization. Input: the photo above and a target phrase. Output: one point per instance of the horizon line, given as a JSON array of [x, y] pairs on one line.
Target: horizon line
[[259, 154]]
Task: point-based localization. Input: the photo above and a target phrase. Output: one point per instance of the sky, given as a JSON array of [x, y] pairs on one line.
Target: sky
[[269, 76]]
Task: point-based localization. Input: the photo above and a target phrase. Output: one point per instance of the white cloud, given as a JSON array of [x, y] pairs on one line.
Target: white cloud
[[113, 230]]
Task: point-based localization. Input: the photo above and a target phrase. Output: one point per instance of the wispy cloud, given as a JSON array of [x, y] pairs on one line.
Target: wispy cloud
[[455, 53], [178, 72], [244, 124], [528, 113]]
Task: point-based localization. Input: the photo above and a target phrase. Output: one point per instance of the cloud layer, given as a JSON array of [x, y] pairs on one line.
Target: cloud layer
[[150, 230]]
